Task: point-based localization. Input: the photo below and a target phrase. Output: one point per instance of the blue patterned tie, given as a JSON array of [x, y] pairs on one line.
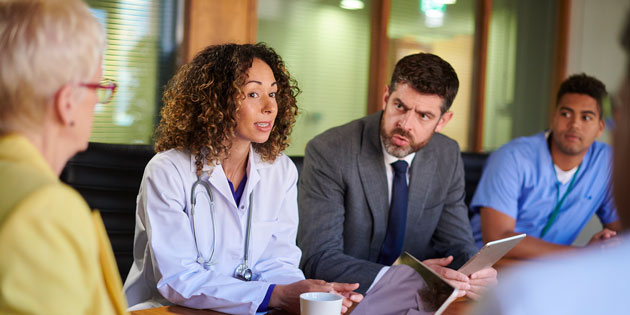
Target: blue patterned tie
[[392, 247]]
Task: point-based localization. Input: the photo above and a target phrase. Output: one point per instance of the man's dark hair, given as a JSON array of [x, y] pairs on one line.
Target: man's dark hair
[[583, 84], [427, 74]]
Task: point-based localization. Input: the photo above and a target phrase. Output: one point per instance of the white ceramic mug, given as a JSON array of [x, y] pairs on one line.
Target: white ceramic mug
[[320, 303]]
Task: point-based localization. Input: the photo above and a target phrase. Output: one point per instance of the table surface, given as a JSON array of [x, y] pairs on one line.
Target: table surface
[[458, 307]]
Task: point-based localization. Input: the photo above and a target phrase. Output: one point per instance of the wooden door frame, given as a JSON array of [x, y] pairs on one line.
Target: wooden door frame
[[483, 14], [379, 51]]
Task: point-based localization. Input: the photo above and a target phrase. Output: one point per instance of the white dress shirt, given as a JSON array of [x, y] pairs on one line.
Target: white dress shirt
[[388, 159], [165, 269]]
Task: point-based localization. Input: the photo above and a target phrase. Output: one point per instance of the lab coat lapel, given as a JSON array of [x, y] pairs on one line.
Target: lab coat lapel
[[253, 177], [218, 179], [219, 183], [215, 175]]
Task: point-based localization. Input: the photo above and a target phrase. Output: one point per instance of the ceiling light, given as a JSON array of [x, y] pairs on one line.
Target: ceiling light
[[352, 4]]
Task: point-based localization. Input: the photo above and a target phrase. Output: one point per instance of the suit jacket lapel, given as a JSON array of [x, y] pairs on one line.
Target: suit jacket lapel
[[421, 177], [374, 181]]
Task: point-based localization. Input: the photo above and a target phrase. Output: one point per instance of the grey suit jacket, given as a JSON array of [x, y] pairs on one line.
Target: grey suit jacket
[[344, 206]]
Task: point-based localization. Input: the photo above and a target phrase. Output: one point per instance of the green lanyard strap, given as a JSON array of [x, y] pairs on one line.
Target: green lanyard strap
[[556, 210]]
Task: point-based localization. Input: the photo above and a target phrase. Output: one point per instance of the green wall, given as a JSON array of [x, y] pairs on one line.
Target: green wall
[[326, 49]]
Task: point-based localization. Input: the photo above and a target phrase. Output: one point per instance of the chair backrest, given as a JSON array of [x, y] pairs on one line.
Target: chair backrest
[[299, 162], [473, 168], [108, 176]]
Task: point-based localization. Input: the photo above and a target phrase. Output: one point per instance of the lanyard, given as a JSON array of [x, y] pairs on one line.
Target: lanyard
[[556, 210]]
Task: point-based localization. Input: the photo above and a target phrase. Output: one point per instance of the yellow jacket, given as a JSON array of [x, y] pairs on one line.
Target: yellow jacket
[[55, 257]]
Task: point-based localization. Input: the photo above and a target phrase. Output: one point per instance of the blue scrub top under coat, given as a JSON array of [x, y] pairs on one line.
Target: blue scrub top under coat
[[519, 180]]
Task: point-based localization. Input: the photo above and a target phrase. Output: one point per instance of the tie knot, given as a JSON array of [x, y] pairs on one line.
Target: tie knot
[[400, 166]]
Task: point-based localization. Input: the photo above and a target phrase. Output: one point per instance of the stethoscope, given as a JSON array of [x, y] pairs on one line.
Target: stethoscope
[[242, 271]]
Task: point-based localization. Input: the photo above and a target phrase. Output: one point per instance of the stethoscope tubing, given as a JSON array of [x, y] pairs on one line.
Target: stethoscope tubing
[[242, 271], [193, 201]]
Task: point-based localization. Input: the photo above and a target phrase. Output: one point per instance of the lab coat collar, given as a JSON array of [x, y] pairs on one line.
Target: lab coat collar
[[253, 159], [215, 175]]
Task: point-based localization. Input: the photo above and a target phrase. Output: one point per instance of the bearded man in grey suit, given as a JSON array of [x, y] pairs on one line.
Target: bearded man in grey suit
[[359, 211]]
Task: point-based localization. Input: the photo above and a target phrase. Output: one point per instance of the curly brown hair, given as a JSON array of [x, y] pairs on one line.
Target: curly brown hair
[[202, 99]]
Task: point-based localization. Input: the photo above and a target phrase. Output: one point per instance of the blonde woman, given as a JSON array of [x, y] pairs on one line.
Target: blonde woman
[[55, 257]]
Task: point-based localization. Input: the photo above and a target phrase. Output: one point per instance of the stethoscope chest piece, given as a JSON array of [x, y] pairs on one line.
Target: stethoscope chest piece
[[243, 272]]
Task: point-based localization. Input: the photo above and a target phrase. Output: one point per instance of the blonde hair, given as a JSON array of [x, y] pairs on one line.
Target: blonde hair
[[44, 45]]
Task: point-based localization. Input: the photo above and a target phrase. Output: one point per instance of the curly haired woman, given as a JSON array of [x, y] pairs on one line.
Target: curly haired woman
[[217, 210]]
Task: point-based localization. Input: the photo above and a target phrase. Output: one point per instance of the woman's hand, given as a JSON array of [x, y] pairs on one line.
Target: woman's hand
[[287, 297]]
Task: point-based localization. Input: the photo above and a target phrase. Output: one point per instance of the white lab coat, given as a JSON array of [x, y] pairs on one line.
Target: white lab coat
[[165, 269]]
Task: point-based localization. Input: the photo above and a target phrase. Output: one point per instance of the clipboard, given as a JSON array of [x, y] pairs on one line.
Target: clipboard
[[490, 253]]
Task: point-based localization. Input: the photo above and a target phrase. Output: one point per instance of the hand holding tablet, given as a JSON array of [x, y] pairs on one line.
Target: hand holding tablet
[[490, 254]]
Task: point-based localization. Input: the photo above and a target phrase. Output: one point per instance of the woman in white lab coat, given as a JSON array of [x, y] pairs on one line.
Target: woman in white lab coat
[[226, 119]]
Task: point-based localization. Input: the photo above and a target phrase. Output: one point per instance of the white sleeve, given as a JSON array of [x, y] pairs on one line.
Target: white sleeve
[[180, 279]]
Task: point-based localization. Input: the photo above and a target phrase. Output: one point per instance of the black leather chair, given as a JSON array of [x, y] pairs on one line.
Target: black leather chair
[[473, 168], [108, 176]]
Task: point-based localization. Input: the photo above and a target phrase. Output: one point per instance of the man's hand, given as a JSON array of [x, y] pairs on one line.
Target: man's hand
[[472, 287], [604, 234], [287, 297], [455, 278], [480, 281], [346, 290]]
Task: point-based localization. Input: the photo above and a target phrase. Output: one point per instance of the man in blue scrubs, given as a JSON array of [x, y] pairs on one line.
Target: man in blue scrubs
[[550, 184]]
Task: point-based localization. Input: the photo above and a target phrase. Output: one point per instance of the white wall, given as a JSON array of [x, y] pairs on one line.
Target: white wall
[[594, 32]]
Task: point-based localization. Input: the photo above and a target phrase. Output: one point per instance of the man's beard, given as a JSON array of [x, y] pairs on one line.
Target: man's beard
[[565, 148], [397, 151]]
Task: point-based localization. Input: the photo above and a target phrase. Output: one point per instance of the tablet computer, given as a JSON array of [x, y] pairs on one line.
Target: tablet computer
[[490, 254]]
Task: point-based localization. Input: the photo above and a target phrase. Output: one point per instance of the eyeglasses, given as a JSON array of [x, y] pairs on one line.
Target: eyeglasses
[[104, 90]]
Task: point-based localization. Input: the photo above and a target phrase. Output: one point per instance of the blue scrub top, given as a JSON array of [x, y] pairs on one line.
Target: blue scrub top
[[519, 180]]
